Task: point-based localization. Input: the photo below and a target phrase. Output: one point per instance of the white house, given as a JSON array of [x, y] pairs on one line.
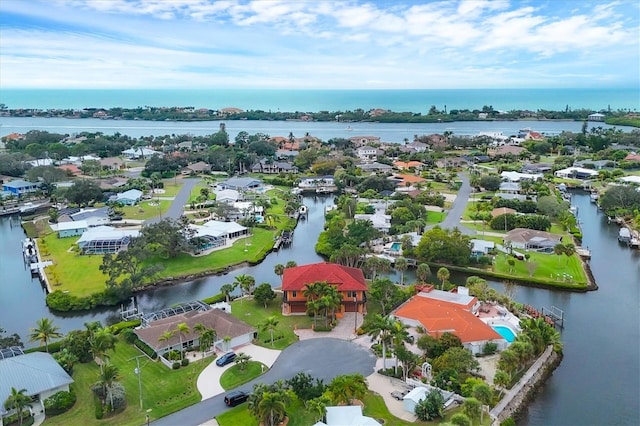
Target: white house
[[37, 372], [419, 393], [517, 176], [70, 229], [596, 117], [347, 415], [228, 196], [481, 247], [105, 239], [129, 198], [380, 221], [135, 153], [576, 173], [367, 153]]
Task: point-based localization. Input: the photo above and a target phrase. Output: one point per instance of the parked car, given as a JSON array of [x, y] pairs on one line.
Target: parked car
[[235, 397], [399, 395], [225, 359]]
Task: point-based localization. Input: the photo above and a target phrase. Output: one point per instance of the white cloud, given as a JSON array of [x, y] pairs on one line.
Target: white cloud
[[355, 43]]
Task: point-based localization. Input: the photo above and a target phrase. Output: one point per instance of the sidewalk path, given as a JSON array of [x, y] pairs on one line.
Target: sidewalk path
[[177, 206], [209, 380]]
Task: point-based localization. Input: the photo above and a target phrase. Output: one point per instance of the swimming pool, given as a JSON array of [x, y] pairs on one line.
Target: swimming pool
[[505, 332], [396, 247]]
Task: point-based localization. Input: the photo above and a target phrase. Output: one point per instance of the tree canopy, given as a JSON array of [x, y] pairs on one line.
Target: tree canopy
[[446, 246]]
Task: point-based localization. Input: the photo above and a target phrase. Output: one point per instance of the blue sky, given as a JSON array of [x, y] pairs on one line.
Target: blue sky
[[311, 44]]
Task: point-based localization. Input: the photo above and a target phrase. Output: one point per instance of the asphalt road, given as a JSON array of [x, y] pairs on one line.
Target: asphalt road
[[457, 209], [324, 358], [177, 206]]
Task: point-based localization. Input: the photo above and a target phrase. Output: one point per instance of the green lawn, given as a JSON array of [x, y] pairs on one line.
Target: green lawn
[[298, 416], [235, 377], [70, 271], [164, 391], [253, 314], [549, 266], [171, 187], [435, 217], [144, 210]]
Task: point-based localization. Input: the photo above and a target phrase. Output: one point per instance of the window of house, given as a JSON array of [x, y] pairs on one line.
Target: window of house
[[294, 294]]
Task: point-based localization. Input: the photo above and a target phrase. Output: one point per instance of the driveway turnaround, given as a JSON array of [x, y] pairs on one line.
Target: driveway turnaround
[[322, 358], [209, 379]]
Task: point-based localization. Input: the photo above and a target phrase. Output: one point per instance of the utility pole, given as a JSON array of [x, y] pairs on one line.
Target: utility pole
[[138, 372]]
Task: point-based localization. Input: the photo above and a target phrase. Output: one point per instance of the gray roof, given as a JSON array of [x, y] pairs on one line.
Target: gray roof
[[36, 372], [87, 213], [241, 182]]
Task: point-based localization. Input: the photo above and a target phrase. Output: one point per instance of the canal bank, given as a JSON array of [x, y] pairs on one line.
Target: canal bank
[[597, 382]]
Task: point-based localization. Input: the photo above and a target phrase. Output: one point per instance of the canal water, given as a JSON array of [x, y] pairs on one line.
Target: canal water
[[598, 382]]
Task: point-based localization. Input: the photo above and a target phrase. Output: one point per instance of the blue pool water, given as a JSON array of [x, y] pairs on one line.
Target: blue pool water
[[504, 332], [396, 246]]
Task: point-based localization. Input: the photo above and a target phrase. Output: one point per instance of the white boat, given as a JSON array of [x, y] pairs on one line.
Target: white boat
[[624, 235], [594, 197], [303, 209]]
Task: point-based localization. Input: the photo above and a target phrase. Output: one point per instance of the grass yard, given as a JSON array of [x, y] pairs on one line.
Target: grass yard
[[550, 267], [253, 314], [164, 391], [195, 192], [235, 377], [70, 271], [298, 416], [171, 187], [435, 217], [144, 210]]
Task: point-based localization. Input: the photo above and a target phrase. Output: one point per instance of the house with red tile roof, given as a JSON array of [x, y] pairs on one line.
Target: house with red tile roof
[[403, 165], [632, 156], [405, 181], [349, 282], [441, 311]]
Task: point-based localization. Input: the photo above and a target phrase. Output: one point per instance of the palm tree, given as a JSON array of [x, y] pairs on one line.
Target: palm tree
[[423, 272], [246, 284], [227, 341], [206, 339], [279, 271], [569, 250], [318, 406], [559, 250], [182, 329], [227, 289], [200, 328], [380, 328], [270, 324], [17, 400], [401, 265], [44, 332], [501, 380], [101, 341], [291, 264], [108, 375], [312, 292], [332, 300], [443, 275], [166, 336], [399, 335], [272, 408], [347, 387], [242, 360]]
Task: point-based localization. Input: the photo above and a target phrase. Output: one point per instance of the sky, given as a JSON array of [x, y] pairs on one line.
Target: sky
[[318, 44]]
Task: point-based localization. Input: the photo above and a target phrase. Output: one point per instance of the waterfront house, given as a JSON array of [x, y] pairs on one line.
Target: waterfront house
[[349, 282], [417, 394], [364, 140], [38, 372], [129, 198], [596, 117], [537, 168], [511, 176], [105, 239], [240, 183], [92, 216], [316, 182], [216, 234], [442, 311], [228, 196], [531, 239], [155, 324], [379, 220], [576, 173], [481, 247], [273, 167], [70, 229], [20, 187]]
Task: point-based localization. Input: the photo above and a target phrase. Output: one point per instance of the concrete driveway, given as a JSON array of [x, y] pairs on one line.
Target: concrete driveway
[[209, 380], [457, 209], [321, 358], [177, 206]]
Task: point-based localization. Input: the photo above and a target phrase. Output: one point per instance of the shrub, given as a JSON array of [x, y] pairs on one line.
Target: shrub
[[129, 336], [99, 411], [124, 325], [214, 299], [145, 348], [490, 348], [175, 365], [59, 402], [185, 362], [116, 396]]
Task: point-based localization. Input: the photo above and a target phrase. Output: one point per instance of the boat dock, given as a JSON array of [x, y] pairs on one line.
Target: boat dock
[[584, 253], [35, 263]]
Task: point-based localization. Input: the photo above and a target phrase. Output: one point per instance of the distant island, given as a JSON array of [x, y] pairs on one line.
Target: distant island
[[433, 115]]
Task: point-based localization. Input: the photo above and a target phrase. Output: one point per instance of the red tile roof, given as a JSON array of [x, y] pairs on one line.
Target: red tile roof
[[344, 277], [438, 316], [632, 157]]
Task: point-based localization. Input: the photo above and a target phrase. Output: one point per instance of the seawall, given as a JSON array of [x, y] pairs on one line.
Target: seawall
[[516, 399]]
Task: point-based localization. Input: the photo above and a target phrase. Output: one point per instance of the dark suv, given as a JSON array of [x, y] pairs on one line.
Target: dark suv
[[225, 359], [234, 398]]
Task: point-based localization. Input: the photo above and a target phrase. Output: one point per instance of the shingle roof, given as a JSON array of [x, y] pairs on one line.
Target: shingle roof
[[222, 322], [344, 277], [36, 372]]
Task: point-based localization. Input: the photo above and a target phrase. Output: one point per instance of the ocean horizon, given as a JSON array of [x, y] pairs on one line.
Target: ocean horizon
[[416, 101]]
